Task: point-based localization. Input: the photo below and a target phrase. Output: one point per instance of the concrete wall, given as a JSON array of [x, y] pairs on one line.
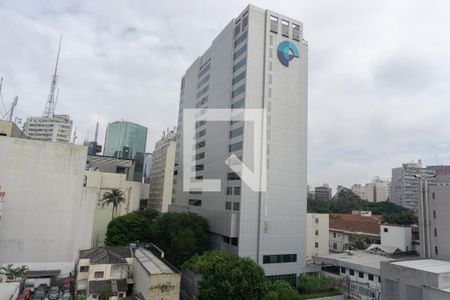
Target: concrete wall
[[396, 236], [321, 227], [338, 240], [45, 217]]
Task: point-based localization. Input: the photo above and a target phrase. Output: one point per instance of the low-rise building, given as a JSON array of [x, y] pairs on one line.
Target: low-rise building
[[317, 234], [343, 226], [9, 128], [420, 279], [103, 268], [155, 278], [359, 272], [397, 236]]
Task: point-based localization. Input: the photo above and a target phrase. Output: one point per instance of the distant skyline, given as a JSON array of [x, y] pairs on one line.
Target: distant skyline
[[378, 72]]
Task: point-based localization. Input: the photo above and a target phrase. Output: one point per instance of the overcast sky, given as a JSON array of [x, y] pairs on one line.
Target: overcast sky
[[379, 81]]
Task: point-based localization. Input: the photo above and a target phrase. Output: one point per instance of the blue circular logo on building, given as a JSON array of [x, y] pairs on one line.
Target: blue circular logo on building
[[286, 52]]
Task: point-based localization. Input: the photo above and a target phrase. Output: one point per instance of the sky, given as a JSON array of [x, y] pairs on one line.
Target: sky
[[379, 81]]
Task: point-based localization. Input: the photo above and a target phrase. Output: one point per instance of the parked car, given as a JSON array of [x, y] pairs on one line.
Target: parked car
[[66, 287], [43, 286], [67, 296], [29, 285], [23, 297], [54, 292], [26, 291], [39, 293]]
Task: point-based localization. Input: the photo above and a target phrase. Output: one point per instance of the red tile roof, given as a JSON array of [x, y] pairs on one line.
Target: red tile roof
[[356, 223]]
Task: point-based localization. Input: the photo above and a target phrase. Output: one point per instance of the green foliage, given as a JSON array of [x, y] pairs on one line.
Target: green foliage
[[105, 292], [148, 213], [127, 229], [345, 201], [13, 273], [180, 235], [227, 276], [114, 198], [281, 290], [359, 241], [314, 284]]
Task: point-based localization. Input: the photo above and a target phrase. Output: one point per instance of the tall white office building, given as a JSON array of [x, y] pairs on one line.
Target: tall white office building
[[259, 60]]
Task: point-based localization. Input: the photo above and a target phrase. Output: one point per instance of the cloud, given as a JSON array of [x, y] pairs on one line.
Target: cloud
[[378, 71]]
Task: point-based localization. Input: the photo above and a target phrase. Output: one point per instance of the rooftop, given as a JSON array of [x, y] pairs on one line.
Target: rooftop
[[361, 258], [152, 263], [428, 265], [107, 254], [356, 223]]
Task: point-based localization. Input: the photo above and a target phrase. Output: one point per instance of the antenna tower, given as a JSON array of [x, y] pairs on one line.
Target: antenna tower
[[51, 101]]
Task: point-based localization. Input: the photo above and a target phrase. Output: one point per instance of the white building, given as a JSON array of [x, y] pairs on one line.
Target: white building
[[375, 191], [57, 128], [96, 185], [161, 175], [317, 234], [359, 270], [420, 279], [45, 216], [103, 266], [154, 278], [259, 60], [396, 236]]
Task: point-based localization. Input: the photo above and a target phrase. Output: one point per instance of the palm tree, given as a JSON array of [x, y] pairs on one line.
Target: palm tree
[[115, 197], [12, 273]]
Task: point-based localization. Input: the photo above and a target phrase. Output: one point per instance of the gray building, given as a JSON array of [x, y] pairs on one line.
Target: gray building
[[422, 279], [323, 192], [405, 187], [9, 128], [259, 60]]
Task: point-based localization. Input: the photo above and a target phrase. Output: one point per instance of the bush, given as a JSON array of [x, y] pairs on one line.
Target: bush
[[281, 290], [314, 284]]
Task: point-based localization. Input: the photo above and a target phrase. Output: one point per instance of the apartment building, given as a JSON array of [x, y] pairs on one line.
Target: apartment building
[[56, 128]]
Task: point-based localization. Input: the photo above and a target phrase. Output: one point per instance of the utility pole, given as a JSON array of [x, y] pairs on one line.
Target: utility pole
[[13, 106]]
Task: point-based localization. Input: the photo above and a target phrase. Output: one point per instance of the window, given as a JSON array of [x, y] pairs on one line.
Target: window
[[352, 272], [385, 229], [200, 133], [334, 246], [239, 77], [235, 147], [273, 24], [84, 268], [295, 32], [435, 232], [241, 63], [229, 190], [195, 202], [370, 277], [200, 155], [316, 244], [195, 192], [240, 51], [237, 29], [237, 191], [234, 241], [316, 220], [236, 132], [334, 234], [316, 232], [284, 28], [202, 91], [236, 206], [242, 38], [238, 91], [342, 270], [433, 196], [436, 250], [361, 274], [204, 69], [98, 274], [200, 123], [279, 258], [203, 81], [434, 214], [238, 104], [199, 167], [228, 205], [233, 176], [200, 145]]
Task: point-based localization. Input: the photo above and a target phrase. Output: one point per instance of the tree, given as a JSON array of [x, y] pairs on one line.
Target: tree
[[315, 284], [227, 276], [281, 290], [359, 241], [148, 213], [180, 235], [105, 292], [127, 229], [13, 273], [115, 198]]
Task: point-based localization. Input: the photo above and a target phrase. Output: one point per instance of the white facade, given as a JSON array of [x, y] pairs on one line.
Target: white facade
[[161, 175], [50, 129], [396, 236], [317, 234], [45, 216], [241, 70], [97, 184], [375, 191]]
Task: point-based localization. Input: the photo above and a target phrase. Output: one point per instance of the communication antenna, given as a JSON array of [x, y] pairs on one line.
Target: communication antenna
[[74, 136], [1, 96], [13, 106], [51, 103], [96, 132]]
